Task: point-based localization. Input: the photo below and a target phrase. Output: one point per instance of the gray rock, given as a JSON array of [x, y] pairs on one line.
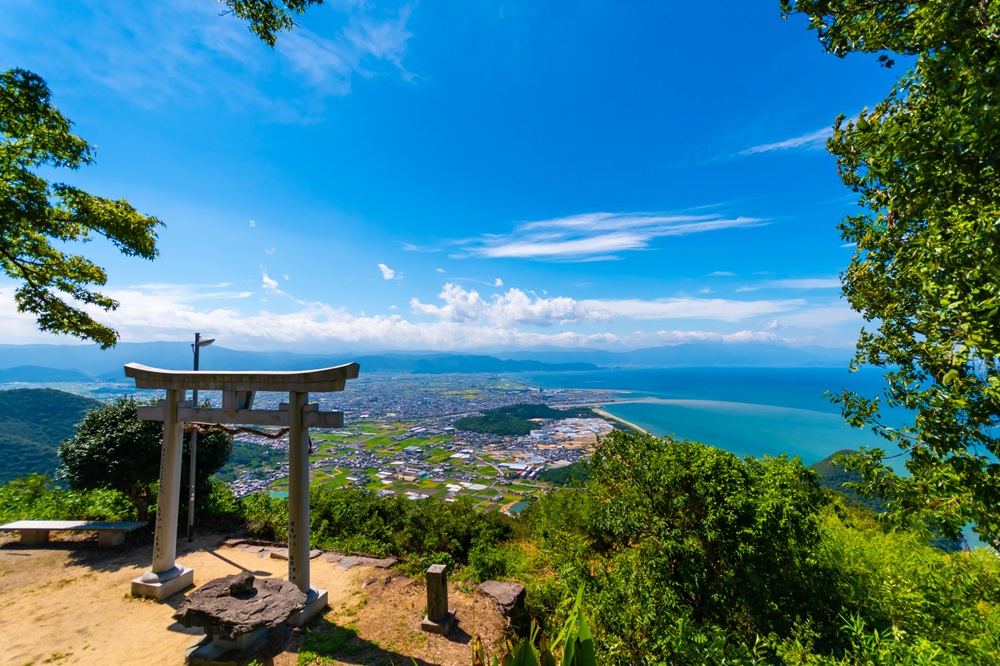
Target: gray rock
[[282, 554], [266, 603], [360, 561], [241, 583], [510, 596]]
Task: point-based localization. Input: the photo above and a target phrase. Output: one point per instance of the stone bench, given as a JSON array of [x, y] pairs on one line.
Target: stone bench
[[109, 533]]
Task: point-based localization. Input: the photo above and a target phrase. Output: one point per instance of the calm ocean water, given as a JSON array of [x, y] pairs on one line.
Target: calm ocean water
[[748, 411]]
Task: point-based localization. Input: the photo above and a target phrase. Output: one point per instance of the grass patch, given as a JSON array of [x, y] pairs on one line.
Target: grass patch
[[324, 643]]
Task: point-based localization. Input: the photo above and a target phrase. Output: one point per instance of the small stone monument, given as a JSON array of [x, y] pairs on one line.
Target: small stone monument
[[439, 617], [244, 619]]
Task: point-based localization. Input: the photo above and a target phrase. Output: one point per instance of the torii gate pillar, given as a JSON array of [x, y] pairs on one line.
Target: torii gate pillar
[[166, 577], [298, 510]]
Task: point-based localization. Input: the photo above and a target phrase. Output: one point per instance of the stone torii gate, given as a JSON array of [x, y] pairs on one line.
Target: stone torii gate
[[166, 576]]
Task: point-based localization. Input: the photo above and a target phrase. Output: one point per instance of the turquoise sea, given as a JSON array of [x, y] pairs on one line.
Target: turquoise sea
[[748, 411]]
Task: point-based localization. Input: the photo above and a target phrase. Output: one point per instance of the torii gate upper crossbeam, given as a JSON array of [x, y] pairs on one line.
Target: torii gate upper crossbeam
[[322, 380]]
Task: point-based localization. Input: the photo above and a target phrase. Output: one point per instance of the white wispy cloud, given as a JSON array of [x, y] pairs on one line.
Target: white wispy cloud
[[387, 273], [811, 140], [820, 318], [795, 283], [714, 309], [198, 53], [806, 283], [269, 284], [595, 236]]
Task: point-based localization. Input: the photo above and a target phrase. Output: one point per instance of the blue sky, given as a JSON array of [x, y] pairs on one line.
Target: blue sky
[[459, 175]]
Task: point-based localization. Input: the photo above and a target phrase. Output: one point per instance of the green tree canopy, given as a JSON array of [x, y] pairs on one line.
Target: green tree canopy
[[926, 271], [113, 449], [687, 530], [37, 218], [269, 17]]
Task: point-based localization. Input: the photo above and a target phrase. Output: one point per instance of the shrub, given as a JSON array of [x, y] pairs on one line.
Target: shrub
[[36, 497], [487, 562], [266, 517]]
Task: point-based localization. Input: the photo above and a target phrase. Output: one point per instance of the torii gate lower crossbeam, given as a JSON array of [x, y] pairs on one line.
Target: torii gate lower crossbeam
[[166, 577]]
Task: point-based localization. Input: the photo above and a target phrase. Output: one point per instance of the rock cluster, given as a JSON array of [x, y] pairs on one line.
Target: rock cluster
[[240, 604], [509, 596]]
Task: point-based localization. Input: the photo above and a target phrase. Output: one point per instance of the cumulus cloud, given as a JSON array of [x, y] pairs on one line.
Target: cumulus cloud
[[387, 273], [464, 320], [439, 270], [498, 282], [595, 236], [515, 307], [509, 309], [252, 223]]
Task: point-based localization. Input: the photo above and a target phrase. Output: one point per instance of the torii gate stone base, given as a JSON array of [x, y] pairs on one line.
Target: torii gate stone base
[[166, 577]]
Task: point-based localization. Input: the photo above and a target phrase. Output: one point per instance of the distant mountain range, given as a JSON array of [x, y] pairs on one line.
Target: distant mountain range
[[56, 363]]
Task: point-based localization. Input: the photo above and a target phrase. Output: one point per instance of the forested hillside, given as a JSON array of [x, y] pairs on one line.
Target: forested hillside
[[513, 419], [834, 476], [32, 424]]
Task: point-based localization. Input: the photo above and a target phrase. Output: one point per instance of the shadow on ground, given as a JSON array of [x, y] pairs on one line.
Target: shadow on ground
[[323, 639]]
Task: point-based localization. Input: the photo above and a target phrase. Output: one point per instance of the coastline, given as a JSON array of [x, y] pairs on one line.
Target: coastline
[[620, 420]]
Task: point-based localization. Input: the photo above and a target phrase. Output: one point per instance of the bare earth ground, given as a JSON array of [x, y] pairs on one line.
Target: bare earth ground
[[67, 602]]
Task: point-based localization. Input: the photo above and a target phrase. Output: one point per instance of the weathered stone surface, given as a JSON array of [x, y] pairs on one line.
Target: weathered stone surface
[[267, 603], [241, 583], [208, 653], [282, 553], [437, 592], [359, 561], [509, 596]]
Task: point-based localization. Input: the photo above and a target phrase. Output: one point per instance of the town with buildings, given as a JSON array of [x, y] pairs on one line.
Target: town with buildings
[[399, 438]]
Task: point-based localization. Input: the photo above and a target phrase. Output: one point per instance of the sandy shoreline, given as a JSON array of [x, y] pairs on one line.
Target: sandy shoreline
[[621, 420]]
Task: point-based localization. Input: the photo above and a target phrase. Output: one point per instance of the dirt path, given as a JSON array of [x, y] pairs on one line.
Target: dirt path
[[67, 603]]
